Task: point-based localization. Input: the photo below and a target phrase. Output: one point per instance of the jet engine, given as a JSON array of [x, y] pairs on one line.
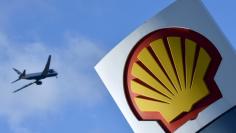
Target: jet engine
[[39, 82]]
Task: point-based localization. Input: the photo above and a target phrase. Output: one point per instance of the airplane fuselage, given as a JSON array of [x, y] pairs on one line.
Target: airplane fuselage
[[38, 76]]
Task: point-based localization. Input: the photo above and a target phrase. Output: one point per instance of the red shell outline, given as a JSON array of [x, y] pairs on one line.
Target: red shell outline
[[214, 95]]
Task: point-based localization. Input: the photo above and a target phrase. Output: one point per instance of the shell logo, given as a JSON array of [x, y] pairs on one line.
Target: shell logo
[[169, 77]]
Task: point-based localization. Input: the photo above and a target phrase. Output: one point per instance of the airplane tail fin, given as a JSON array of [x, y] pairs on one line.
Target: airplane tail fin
[[21, 75]]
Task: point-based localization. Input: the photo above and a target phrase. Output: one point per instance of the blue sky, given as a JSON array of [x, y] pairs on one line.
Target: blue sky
[[78, 33]]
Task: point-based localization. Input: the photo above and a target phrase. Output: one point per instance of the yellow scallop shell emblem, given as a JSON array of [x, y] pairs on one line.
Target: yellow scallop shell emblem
[[169, 76]]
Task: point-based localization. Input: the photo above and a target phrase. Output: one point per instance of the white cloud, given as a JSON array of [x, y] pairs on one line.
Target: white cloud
[[76, 81]]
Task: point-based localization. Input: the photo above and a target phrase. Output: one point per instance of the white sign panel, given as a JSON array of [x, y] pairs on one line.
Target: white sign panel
[[189, 22]]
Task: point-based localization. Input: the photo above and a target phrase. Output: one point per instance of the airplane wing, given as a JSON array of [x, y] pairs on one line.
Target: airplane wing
[[45, 71], [24, 86]]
